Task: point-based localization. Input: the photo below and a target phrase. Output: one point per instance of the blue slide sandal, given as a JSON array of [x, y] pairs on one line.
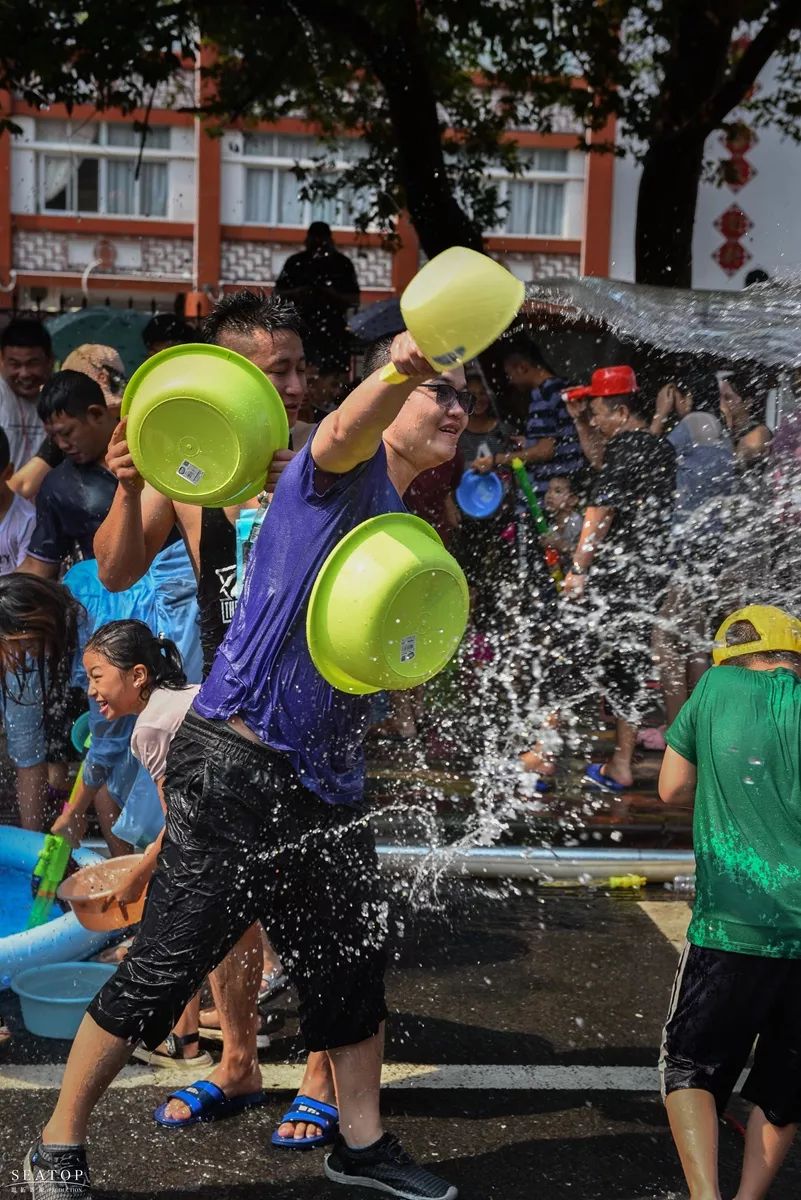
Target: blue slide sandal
[[313, 1112], [595, 777], [206, 1102]]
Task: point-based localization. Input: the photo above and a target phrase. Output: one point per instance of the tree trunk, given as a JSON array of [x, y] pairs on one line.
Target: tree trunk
[[666, 203], [398, 59]]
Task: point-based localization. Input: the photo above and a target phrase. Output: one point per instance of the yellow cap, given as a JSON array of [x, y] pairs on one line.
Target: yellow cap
[[776, 630]]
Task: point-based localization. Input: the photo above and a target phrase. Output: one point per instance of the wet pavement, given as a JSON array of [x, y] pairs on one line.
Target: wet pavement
[[521, 1061]]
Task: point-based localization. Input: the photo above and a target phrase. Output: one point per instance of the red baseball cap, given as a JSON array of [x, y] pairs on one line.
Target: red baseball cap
[[607, 381]]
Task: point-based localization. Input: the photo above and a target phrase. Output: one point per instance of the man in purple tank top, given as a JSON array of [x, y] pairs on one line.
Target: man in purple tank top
[[264, 790]]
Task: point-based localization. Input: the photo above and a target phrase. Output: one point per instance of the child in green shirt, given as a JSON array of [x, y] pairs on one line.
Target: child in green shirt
[[736, 746]]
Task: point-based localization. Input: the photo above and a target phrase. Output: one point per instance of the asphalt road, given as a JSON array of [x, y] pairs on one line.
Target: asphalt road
[[521, 1062]]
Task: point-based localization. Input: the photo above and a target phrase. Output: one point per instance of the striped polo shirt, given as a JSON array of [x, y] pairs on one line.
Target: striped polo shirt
[[548, 418]]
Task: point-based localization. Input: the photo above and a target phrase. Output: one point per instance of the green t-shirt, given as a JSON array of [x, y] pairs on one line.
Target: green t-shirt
[[742, 731]]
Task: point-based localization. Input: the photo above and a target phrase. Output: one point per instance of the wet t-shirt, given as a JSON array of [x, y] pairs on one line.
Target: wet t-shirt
[[263, 671], [637, 480], [72, 504], [742, 730]]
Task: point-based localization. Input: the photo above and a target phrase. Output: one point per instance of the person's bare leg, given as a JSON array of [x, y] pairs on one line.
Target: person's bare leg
[[96, 1058], [187, 1024], [694, 1125], [766, 1147], [619, 765], [32, 796], [107, 811], [317, 1084], [271, 961], [543, 756], [58, 776], [357, 1080], [235, 987]]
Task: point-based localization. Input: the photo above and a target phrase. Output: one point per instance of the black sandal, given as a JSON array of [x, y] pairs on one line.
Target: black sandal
[[174, 1054]]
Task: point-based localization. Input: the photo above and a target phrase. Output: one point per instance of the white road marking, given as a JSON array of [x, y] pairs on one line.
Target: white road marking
[[460, 1076], [671, 918]]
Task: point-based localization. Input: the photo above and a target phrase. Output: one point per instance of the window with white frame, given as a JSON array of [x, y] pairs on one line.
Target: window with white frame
[[90, 167], [533, 203], [273, 191], [535, 199]]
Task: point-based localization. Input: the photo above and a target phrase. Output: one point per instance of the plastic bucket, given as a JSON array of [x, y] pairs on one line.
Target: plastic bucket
[[388, 608], [81, 734], [459, 303], [54, 998], [87, 893], [203, 424], [479, 495]]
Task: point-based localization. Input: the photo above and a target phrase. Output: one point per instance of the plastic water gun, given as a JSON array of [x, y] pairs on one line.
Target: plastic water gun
[[538, 516], [51, 865], [613, 882]]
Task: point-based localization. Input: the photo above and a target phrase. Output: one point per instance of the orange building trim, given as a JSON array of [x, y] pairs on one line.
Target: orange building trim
[[598, 197], [105, 283], [88, 112], [110, 226], [6, 278]]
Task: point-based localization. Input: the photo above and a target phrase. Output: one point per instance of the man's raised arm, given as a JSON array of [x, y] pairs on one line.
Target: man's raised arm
[[352, 434], [138, 523]]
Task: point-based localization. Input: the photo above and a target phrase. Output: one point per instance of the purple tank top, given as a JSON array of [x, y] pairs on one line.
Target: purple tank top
[[263, 671]]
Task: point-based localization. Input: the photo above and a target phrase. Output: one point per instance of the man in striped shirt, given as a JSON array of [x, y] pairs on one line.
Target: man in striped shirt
[[552, 445]]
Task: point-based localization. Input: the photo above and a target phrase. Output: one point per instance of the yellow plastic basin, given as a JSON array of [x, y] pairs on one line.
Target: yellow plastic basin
[[388, 608], [203, 424]]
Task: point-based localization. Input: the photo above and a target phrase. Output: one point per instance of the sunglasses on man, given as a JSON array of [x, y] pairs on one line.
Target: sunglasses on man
[[446, 395]]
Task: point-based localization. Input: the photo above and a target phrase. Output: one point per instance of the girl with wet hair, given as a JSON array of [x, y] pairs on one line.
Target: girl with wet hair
[[134, 672], [39, 622], [144, 661]]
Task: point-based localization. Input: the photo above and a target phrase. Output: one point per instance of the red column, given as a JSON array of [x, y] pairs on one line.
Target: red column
[[6, 259], [207, 243], [597, 239], [406, 259]]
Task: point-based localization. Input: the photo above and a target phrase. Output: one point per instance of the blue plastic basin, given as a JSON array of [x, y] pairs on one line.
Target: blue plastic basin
[[54, 998], [479, 495]]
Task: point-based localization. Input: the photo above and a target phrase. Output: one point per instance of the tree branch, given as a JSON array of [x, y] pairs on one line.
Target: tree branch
[[785, 18]]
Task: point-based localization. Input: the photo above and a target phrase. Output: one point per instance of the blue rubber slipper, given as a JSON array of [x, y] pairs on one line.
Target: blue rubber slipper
[[313, 1112], [206, 1102], [594, 776]]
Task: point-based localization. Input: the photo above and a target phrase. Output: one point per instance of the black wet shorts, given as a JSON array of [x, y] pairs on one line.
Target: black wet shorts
[[245, 841], [721, 1003]]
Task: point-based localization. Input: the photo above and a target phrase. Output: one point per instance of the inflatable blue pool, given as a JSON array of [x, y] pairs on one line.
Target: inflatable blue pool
[[62, 938]]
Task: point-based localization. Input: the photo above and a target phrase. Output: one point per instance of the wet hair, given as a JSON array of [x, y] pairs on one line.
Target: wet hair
[[526, 348], [377, 354], [752, 385], [50, 615], [690, 376], [127, 644], [246, 312], [635, 402], [167, 327], [742, 633], [23, 331], [570, 480], [5, 451], [70, 392]]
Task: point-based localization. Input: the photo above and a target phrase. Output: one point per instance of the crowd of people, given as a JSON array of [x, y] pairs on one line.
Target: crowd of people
[[212, 732]]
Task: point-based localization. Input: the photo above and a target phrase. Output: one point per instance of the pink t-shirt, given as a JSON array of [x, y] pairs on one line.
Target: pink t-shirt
[[158, 724]]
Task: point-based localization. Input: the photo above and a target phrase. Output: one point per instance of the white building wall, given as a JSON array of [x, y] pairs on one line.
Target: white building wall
[[181, 204], [23, 168], [769, 199]]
